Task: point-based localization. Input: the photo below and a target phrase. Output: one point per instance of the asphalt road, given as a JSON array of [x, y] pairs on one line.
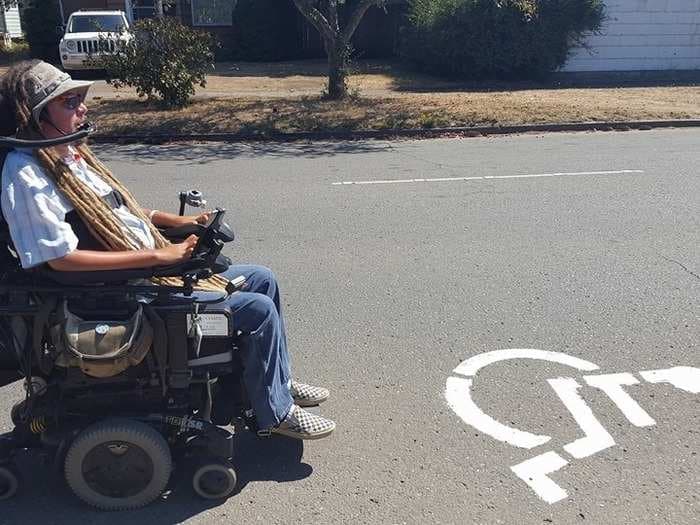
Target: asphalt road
[[390, 286]]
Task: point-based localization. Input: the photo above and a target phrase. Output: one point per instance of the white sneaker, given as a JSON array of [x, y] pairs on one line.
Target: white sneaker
[[300, 424], [306, 395]]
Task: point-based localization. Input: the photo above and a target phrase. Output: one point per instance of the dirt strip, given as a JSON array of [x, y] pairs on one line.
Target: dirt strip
[[416, 110]]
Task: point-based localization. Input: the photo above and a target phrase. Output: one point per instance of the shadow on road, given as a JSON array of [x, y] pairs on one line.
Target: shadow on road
[[316, 68], [419, 83], [301, 68], [89, 74], [203, 153], [45, 498]]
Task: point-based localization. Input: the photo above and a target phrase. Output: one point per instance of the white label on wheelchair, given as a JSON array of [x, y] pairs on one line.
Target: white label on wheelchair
[[212, 324]]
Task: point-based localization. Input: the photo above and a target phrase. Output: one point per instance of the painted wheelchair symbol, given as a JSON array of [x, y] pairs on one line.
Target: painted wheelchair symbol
[[535, 471]]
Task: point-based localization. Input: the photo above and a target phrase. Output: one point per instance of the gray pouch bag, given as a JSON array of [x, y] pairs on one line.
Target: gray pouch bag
[[102, 348]]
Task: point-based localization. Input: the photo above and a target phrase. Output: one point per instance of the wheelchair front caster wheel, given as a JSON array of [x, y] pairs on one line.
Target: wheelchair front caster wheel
[[17, 413], [9, 482], [214, 479], [118, 464]]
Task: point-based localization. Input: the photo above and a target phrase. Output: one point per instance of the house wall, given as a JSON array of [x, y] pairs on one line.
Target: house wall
[[10, 23], [643, 35], [183, 9], [377, 36], [70, 6]]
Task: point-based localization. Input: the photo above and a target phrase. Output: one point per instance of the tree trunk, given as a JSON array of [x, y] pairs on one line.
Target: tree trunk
[[158, 4], [337, 72], [324, 17]]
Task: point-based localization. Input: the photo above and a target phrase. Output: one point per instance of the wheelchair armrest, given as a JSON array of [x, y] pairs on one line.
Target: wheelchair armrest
[[191, 266], [180, 233], [96, 277]]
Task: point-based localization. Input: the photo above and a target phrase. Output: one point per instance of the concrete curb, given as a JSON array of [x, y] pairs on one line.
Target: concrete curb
[[476, 131]]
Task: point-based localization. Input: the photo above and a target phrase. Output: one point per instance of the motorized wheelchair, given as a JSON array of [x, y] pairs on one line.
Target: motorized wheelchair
[[116, 433]]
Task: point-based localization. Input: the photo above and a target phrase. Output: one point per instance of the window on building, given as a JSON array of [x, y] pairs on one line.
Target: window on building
[[212, 12], [143, 9]]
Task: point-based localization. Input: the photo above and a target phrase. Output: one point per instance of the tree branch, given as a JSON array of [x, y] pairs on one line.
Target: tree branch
[[316, 18], [333, 15], [356, 17]]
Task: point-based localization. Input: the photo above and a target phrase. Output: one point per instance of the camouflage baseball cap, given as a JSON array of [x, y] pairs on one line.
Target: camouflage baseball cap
[[45, 82]]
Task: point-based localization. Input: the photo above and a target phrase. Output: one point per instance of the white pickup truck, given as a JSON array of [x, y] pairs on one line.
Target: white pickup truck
[[91, 33]]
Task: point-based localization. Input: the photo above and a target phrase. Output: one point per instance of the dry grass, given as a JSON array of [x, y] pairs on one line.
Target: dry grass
[[285, 97], [400, 111]]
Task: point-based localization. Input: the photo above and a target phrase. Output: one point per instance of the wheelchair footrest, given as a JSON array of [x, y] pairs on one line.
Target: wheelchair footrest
[[212, 359]]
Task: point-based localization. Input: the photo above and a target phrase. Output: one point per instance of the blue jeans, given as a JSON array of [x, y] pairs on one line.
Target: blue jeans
[[257, 313]]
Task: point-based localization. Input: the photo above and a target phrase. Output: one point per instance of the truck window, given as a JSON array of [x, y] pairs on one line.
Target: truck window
[[90, 24]]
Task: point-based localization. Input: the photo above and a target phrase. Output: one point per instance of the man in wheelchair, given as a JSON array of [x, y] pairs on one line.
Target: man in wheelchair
[[134, 335]]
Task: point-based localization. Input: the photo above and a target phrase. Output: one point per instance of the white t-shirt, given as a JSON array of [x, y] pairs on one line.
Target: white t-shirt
[[35, 210]]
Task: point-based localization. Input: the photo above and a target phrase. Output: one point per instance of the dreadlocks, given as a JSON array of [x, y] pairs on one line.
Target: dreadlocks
[[98, 217]]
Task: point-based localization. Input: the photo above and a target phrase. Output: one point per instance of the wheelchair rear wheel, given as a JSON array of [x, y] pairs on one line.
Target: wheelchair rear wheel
[[118, 464], [9, 481]]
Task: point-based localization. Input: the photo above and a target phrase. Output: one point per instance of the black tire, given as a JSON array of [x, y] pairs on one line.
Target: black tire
[[214, 479], [118, 464], [17, 412], [9, 482]]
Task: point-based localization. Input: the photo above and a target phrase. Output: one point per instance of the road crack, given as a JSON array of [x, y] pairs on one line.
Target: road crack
[[681, 265]]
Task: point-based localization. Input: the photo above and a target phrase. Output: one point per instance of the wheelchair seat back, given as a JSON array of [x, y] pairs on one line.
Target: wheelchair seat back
[[9, 262]]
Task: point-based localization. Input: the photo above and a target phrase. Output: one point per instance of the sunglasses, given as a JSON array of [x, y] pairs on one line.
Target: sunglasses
[[72, 101]]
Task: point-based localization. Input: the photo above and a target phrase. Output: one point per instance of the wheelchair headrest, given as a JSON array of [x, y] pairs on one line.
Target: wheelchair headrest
[[7, 122], [7, 127], [3, 155]]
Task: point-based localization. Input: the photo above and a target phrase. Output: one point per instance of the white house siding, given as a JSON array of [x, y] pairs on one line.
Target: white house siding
[[643, 35], [10, 23]]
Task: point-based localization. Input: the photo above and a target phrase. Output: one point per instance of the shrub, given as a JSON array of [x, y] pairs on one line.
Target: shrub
[[505, 39], [18, 50], [162, 59]]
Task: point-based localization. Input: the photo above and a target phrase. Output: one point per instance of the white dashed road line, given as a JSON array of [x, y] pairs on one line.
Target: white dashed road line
[[487, 177]]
